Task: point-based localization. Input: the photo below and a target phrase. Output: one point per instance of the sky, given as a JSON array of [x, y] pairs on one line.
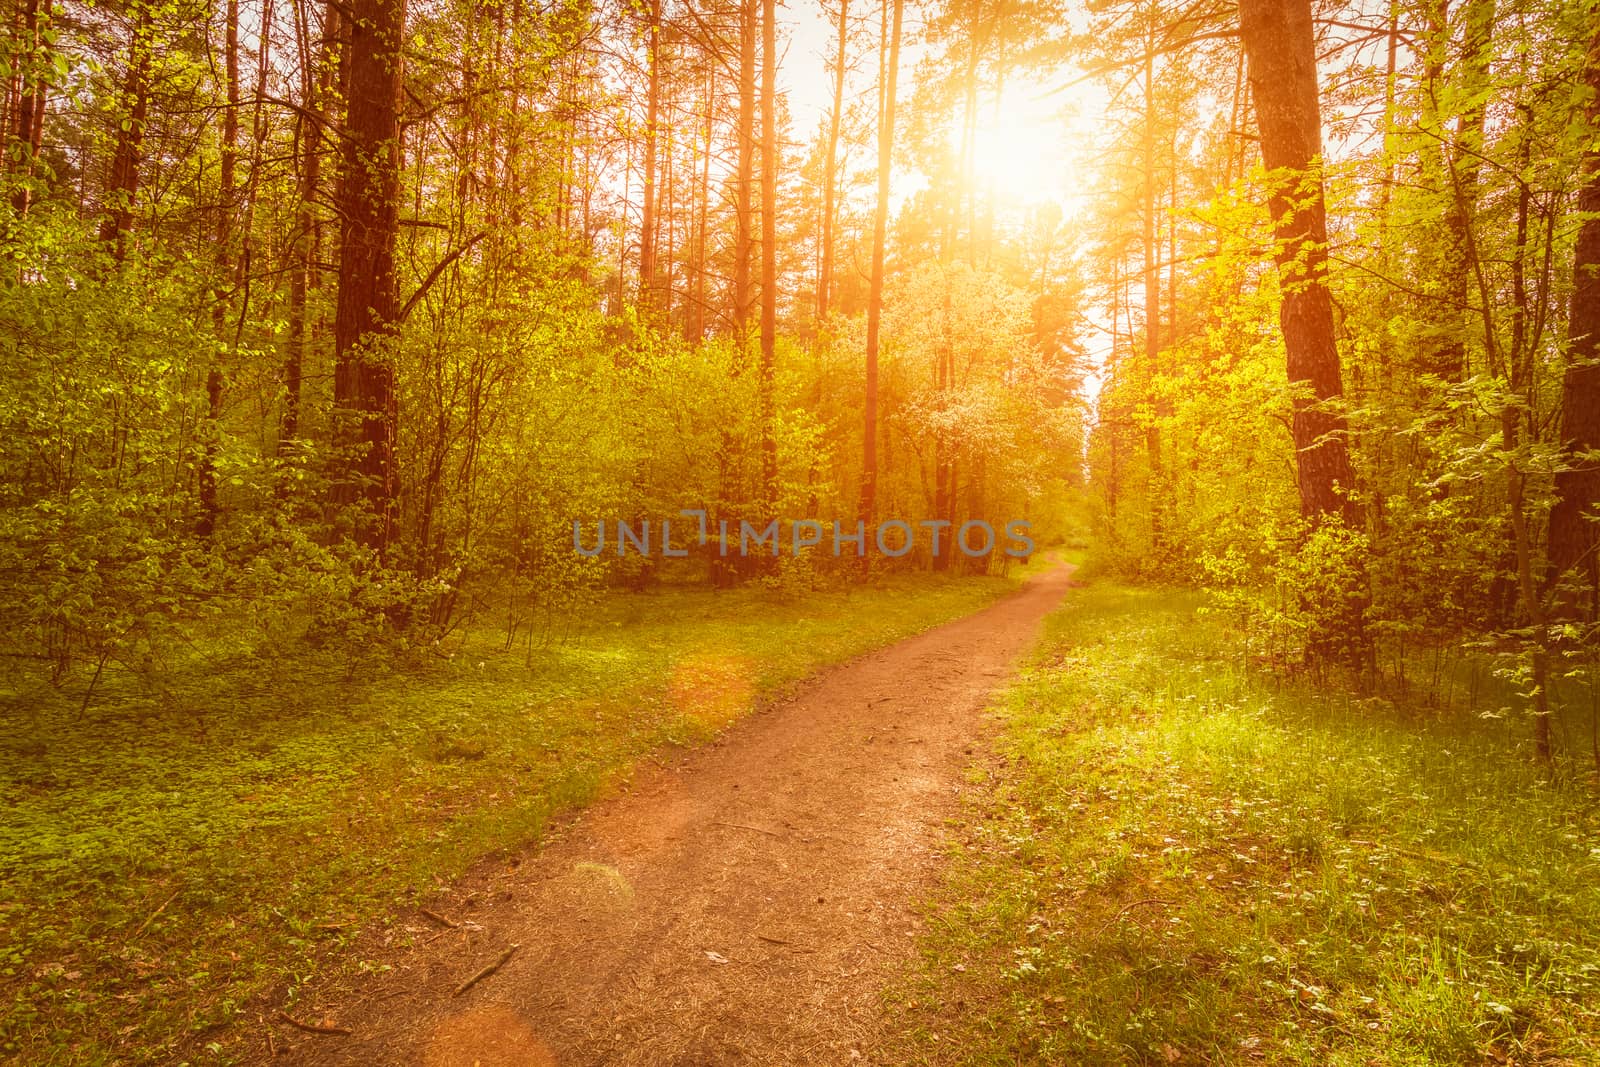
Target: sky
[[1035, 152], [1036, 148]]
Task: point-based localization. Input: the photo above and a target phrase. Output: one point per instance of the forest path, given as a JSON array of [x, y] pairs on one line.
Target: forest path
[[745, 904]]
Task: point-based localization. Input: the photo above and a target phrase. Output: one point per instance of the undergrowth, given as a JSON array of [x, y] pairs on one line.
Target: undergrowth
[[1182, 860], [183, 846]]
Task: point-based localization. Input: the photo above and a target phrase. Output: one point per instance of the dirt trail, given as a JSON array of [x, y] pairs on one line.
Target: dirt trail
[[743, 905]]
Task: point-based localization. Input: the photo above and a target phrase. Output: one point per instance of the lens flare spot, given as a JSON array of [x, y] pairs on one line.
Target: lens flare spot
[[597, 888], [492, 1036], [711, 689]]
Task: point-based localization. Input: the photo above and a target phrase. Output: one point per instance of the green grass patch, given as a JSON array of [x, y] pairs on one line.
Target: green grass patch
[[1181, 860], [188, 843]]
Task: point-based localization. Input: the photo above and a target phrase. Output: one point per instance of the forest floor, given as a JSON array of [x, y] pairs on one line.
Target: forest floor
[[210, 831], [1129, 846], [745, 904], [1178, 858]]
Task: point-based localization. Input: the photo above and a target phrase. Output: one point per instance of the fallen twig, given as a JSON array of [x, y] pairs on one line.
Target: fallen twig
[[314, 1028], [450, 924], [1127, 908], [499, 962], [152, 918], [752, 829], [1417, 854]]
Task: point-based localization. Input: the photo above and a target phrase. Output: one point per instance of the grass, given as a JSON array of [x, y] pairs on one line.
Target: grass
[[1180, 860], [179, 851]]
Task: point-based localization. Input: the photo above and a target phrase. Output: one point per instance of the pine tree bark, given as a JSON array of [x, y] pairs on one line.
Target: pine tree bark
[[315, 84], [647, 231], [230, 130], [966, 190], [765, 383], [1573, 532], [227, 173], [880, 234], [694, 328], [28, 117], [122, 181], [1465, 165], [1279, 43], [1150, 242], [830, 172], [744, 177], [369, 208]]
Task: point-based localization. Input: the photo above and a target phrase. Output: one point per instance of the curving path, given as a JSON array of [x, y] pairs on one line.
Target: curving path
[[744, 905]]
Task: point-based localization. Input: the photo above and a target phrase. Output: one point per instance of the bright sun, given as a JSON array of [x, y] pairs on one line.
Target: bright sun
[[1026, 149]]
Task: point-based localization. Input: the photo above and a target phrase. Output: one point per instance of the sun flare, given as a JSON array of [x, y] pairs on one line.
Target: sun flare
[[1025, 149]]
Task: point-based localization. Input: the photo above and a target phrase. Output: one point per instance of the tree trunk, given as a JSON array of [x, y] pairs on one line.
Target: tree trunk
[[1573, 540], [1279, 42], [1152, 294], [228, 170], [943, 463], [647, 231], [1465, 162], [1532, 608], [966, 190], [1147, 197], [880, 235], [303, 251], [744, 178], [122, 183], [667, 210], [230, 131], [769, 259], [695, 309], [28, 129], [830, 172], [369, 207], [1390, 156]]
